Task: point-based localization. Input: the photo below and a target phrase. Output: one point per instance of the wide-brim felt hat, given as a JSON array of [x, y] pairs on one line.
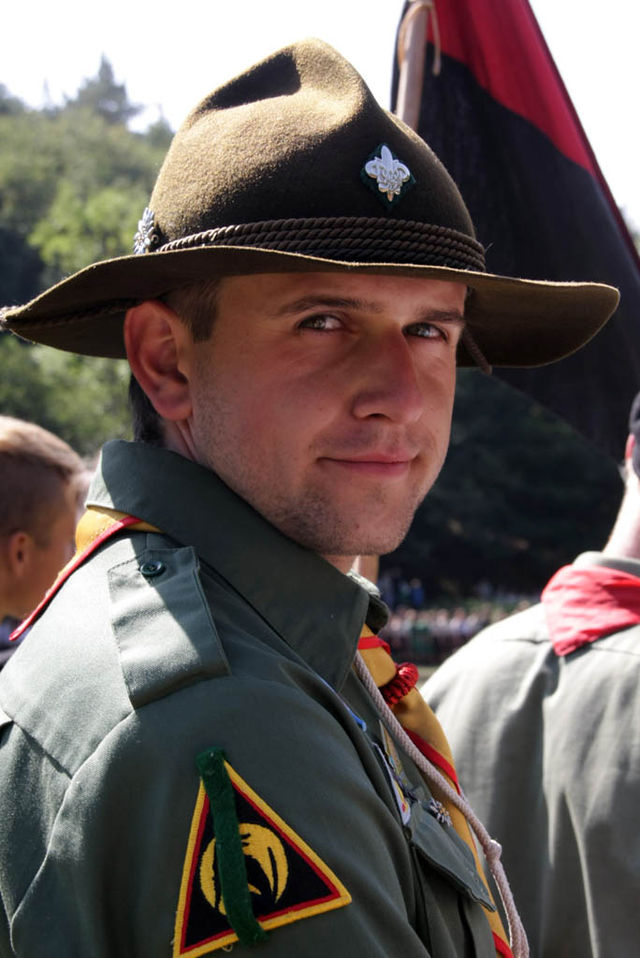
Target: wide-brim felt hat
[[293, 166]]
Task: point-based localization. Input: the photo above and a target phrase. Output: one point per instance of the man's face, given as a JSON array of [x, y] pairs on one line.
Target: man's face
[[325, 401]]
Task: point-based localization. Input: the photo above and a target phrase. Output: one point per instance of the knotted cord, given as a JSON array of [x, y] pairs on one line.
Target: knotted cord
[[492, 850]]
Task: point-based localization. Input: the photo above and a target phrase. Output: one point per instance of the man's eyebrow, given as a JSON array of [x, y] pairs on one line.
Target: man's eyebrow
[[328, 302], [441, 316], [340, 302]]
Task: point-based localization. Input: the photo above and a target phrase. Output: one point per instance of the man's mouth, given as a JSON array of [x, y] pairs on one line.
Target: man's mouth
[[374, 464]]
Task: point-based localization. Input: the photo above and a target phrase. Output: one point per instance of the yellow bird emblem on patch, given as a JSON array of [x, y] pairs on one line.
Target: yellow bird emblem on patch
[[286, 878], [259, 844]]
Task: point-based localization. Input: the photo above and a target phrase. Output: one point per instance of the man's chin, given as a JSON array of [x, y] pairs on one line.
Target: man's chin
[[355, 529], [362, 545]]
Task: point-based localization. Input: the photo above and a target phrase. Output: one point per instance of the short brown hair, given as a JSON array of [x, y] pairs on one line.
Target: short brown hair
[[196, 306], [35, 468]]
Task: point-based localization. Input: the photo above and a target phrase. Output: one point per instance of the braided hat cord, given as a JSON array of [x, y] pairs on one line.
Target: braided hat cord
[[350, 238]]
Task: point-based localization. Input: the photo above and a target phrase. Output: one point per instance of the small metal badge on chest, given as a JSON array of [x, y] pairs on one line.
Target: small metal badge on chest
[[439, 812]]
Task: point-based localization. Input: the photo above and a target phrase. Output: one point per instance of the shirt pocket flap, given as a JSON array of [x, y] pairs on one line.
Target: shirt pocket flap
[[162, 624], [441, 847]]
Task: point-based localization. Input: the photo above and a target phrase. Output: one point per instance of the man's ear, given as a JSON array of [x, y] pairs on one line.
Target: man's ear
[[18, 553], [156, 340]]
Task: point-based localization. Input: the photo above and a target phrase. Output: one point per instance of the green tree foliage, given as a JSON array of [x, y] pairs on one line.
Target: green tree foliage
[[8, 103], [30, 163], [20, 267], [74, 180], [81, 398], [77, 231], [159, 135], [104, 97], [73, 183]]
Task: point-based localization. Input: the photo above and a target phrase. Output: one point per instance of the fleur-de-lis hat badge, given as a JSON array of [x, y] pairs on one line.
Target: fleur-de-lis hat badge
[[387, 176]]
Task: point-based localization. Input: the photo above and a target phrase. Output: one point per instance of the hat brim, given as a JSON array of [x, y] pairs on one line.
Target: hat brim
[[515, 322]]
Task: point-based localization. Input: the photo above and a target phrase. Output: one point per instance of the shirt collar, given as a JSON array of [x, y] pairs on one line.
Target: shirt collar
[[316, 609], [587, 560]]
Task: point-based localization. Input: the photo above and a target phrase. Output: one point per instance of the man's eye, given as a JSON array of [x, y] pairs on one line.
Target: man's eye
[[426, 331], [324, 322]]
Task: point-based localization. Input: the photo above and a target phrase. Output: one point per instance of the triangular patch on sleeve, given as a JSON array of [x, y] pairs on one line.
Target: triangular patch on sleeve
[[287, 879]]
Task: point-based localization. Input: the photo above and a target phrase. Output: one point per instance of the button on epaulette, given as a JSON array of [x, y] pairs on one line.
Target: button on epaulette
[[152, 568], [162, 624]]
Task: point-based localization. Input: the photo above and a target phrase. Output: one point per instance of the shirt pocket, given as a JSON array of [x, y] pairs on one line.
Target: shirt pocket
[[439, 846]]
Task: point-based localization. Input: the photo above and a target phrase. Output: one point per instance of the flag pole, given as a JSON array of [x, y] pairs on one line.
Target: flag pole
[[412, 42]]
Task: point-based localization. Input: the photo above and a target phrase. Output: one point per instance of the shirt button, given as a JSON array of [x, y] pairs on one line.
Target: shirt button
[[152, 568]]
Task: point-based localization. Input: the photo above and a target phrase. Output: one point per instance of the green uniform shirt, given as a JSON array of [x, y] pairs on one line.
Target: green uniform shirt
[[218, 632]]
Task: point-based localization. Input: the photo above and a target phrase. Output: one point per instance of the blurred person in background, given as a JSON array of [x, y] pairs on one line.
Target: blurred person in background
[[42, 482], [542, 711]]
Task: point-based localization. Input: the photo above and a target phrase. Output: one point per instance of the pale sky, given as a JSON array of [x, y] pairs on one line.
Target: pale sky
[[171, 54]]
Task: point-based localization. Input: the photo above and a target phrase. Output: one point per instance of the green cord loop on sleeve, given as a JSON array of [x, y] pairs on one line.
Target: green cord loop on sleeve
[[231, 865]]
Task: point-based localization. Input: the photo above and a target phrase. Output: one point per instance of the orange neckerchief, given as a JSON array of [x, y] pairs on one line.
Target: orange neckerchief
[[426, 733]]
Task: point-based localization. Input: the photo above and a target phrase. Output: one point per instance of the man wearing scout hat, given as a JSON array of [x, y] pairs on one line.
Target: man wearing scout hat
[[221, 768]]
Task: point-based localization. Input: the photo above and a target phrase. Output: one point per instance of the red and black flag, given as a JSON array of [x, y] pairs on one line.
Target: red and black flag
[[500, 119]]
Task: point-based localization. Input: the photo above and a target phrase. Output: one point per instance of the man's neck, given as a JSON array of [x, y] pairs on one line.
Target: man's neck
[[624, 541], [341, 563]]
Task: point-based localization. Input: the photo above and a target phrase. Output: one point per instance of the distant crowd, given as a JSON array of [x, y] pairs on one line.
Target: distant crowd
[[428, 630]]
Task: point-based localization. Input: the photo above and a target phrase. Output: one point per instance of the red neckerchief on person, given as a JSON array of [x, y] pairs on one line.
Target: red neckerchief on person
[[397, 683], [584, 604]]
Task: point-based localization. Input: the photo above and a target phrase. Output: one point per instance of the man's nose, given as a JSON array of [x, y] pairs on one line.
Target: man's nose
[[388, 383]]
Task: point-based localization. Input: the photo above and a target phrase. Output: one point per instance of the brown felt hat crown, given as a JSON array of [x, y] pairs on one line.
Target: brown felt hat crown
[[293, 166]]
